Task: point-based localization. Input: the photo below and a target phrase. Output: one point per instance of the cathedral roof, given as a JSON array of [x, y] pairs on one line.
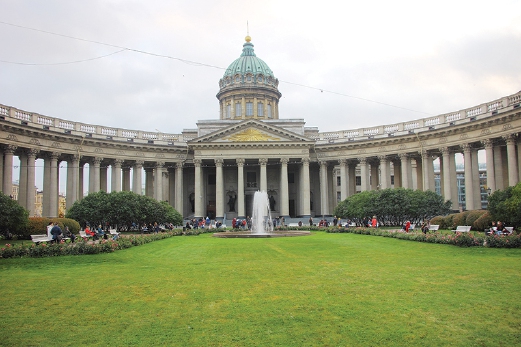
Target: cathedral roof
[[248, 62]]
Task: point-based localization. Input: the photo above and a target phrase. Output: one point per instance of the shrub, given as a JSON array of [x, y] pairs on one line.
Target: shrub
[[447, 222], [73, 225], [473, 216], [459, 219], [439, 220], [483, 222]]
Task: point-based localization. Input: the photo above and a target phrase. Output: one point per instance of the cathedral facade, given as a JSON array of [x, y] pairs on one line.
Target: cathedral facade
[[215, 170]]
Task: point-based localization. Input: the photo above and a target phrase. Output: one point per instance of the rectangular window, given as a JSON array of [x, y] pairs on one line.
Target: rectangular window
[[358, 180], [238, 108], [338, 181], [249, 109], [269, 111], [260, 109], [392, 179], [228, 111]]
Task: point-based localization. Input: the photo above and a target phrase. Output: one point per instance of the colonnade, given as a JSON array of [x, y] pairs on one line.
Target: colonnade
[[165, 180]]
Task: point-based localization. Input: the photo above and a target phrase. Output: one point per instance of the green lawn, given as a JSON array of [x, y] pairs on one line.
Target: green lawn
[[319, 290]]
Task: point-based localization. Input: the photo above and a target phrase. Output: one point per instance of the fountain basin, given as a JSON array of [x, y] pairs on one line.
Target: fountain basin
[[250, 235]]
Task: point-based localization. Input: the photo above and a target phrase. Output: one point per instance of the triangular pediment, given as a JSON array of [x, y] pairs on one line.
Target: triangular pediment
[[251, 131]]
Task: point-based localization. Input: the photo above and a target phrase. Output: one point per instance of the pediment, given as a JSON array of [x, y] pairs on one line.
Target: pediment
[[251, 131]]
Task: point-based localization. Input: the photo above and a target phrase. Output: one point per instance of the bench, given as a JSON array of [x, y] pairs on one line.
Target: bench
[[41, 238], [434, 227], [84, 235], [293, 225], [462, 229]]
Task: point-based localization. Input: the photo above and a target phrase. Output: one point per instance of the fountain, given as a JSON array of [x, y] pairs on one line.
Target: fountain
[[261, 222]]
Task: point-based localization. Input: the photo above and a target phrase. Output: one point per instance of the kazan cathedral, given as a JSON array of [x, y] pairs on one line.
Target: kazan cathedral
[[215, 169]]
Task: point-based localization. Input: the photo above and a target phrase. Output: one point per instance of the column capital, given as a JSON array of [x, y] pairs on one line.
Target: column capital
[[54, 155], [179, 165], [510, 138], [198, 162], [32, 152], [284, 161], [445, 150], [403, 156], [118, 162], [362, 160], [97, 160], [263, 161], [305, 161], [240, 161], [383, 158], [488, 143], [466, 147], [10, 149], [342, 161], [160, 164], [139, 163], [219, 162], [323, 162]]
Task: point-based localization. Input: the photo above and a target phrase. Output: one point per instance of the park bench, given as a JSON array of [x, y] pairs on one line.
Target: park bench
[[293, 225], [84, 235], [462, 229], [434, 227], [41, 238]]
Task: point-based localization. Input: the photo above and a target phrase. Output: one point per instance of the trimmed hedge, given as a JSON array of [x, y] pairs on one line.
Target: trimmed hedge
[[82, 246], [38, 225], [456, 239]]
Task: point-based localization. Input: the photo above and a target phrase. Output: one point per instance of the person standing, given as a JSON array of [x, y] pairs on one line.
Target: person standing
[[310, 221]]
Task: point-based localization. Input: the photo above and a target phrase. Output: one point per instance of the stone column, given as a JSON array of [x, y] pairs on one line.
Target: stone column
[[72, 180], [31, 190], [53, 196], [475, 179], [306, 189], [469, 189], [81, 172], [179, 188], [445, 174], [2, 170], [374, 182], [324, 206], [511, 159], [198, 192], [22, 181], [364, 175], [240, 188], [428, 171], [115, 184], [498, 168], [385, 169], [46, 199], [125, 184], [103, 178], [219, 189], [8, 169], [284, 188], [149, 182], [343, 179], [158, 181], [397, 172], [351, 171], [489, 153], [137, 183], [406, 170], [453, 182], [263, 176]]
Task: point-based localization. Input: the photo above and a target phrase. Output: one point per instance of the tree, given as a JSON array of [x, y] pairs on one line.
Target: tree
[[13, 217], [393, 206], [505, 205], [122, 209]]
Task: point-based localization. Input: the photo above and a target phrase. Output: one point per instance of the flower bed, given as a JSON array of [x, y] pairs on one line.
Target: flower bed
[[457, 239], [82, 246]]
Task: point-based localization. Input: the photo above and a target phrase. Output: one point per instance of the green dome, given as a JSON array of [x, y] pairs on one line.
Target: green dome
[[248, 63]]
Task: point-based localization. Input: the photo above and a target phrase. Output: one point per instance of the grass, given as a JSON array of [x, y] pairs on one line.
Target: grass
[[319, 290]]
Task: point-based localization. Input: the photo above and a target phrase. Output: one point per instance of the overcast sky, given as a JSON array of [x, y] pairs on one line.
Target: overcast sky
[[422, 57]]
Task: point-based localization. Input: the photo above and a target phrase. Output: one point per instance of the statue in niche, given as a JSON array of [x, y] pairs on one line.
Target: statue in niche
[[231, 203], [191, 198], [272, 203]]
